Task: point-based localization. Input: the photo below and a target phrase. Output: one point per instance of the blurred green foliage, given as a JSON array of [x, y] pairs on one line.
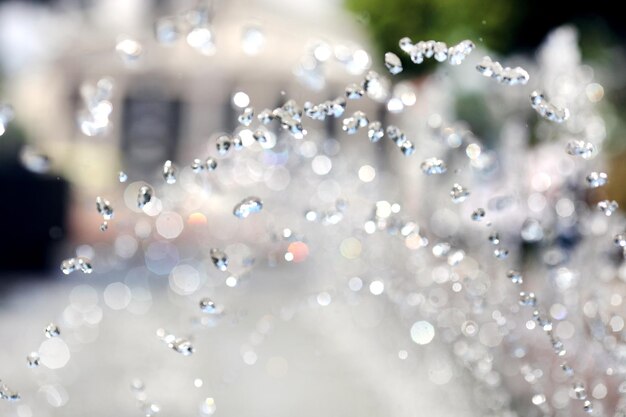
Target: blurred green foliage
[[450, 21]]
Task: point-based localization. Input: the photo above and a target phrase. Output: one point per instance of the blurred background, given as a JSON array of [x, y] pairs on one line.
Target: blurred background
[[89, 89], [44, 68]]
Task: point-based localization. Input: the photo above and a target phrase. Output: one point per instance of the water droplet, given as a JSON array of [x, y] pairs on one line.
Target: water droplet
[[178, 344], [183, 346], [597, 179], [104, 208], [319, 111], [84, 265], [393, 63], [494, 238], [543, 322], [416, 53], [547, 110], [354, 91], [316, 112], [375, 86], [396, 135], [238, 142], [144, 196], [568, 370], [579, 391], [350, 125], [506, 75], [122, 176], [513, 76], [428, 48], [104, 226], [260, 136], [52, 330], [375, 131], [478, 214], [458, 194], [440, 51], [620, 240], [248, 206], [210, 164], [223, 144], [8, 394], [458, 53], [337, 107], [587, 407], [69, 265], [407, 148], [208, 306], [246, 117], [197, 165], [290, 115], [219, 259], [558, 346], [580, 148], [80, 263], [406, 44], [514, 276], [265, 116], [289, 110], [361, 118], [33, 359], [169, 172], [488, 68], [607, 207], [527, 299], [433, 166], [501, 253]]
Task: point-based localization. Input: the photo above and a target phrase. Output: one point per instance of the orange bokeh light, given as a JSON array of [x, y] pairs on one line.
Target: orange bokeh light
[[299, 250], [197, 219]]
